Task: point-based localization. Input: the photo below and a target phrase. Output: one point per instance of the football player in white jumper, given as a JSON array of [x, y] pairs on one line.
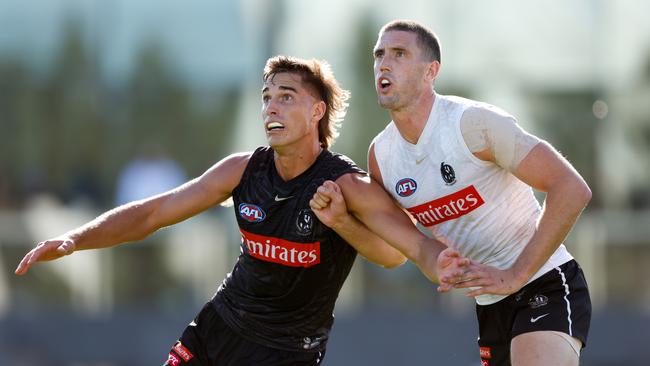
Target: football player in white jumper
[[465, 171]]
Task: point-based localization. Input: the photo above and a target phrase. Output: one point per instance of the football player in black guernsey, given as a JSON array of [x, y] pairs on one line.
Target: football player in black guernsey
[[275, 307]]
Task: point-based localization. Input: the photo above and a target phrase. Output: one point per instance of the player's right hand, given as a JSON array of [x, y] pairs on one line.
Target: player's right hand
[[451, 267], [46, 251], [329, 205]]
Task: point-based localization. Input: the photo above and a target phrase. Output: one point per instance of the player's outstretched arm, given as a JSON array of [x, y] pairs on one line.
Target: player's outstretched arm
[[136, 220]]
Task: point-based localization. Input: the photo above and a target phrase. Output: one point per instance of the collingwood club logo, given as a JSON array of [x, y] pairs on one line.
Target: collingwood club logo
[[309, 343], [448, 174], [537, 301], [305, 222]]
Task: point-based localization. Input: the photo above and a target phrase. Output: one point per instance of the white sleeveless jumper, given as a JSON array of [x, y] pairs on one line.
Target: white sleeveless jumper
[[476, 207]]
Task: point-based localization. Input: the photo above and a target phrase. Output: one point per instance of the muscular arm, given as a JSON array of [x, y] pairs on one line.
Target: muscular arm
[[545, 170], [567, 194], [343, 220], [424, 252], [136, 220], [376, 225]]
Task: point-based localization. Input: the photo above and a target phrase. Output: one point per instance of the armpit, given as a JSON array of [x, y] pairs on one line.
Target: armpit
[[485, 127]]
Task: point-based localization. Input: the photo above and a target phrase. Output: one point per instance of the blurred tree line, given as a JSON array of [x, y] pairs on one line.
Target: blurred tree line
[[70, 131]]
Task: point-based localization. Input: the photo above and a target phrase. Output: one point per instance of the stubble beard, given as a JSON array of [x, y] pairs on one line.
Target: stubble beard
[[389, 102]]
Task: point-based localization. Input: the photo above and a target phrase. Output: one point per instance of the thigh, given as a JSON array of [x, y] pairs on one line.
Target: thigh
[[542, 348]]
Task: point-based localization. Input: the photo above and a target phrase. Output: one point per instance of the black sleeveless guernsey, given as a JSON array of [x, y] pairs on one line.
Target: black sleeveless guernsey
[[282, 290]]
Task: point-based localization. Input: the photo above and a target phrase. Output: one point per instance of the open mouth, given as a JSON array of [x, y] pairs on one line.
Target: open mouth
[[274, 126], [384, 84]]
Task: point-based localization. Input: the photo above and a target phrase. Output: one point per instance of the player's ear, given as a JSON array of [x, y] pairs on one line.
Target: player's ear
[[318, 111], [432, 70]]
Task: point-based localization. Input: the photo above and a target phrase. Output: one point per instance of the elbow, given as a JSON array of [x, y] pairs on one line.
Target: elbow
[[587, 196], [394, 262], [584, 194], [572, 191], [148, 223]]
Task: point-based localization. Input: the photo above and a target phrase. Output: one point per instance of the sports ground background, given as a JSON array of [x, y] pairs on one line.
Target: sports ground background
[[106, 101]]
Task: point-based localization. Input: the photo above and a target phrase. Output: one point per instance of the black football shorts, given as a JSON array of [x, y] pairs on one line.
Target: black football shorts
[[208, 341], [556, 301]]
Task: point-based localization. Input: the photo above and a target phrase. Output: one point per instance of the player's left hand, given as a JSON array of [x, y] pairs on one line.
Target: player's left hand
[[489, 280], [46, 251]]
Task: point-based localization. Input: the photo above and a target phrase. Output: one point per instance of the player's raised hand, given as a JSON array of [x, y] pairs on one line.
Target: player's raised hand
[[329, 205], [46, 251], [450, 267]]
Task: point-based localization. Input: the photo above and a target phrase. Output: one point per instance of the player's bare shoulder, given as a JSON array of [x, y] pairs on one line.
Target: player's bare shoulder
[[225, 175], [353, 181], [239, 160], [236, 163]]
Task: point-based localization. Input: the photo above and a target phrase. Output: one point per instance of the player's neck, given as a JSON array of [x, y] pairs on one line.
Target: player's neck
[[290, 162], [411, 120]]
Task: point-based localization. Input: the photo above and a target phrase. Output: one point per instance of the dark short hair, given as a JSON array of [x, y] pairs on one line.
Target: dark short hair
[[427, 40], [318, 75]]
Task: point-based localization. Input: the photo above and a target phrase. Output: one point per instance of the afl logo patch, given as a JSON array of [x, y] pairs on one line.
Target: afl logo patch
[[448, 174], [251, 213], [305, 222], [406, 187]]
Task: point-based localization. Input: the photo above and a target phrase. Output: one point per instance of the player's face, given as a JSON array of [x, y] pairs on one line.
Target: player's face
[[400, 69], [289, 110]]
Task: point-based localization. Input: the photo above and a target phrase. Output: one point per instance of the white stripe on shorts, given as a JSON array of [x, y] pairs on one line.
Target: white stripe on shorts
[[566, 294]]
